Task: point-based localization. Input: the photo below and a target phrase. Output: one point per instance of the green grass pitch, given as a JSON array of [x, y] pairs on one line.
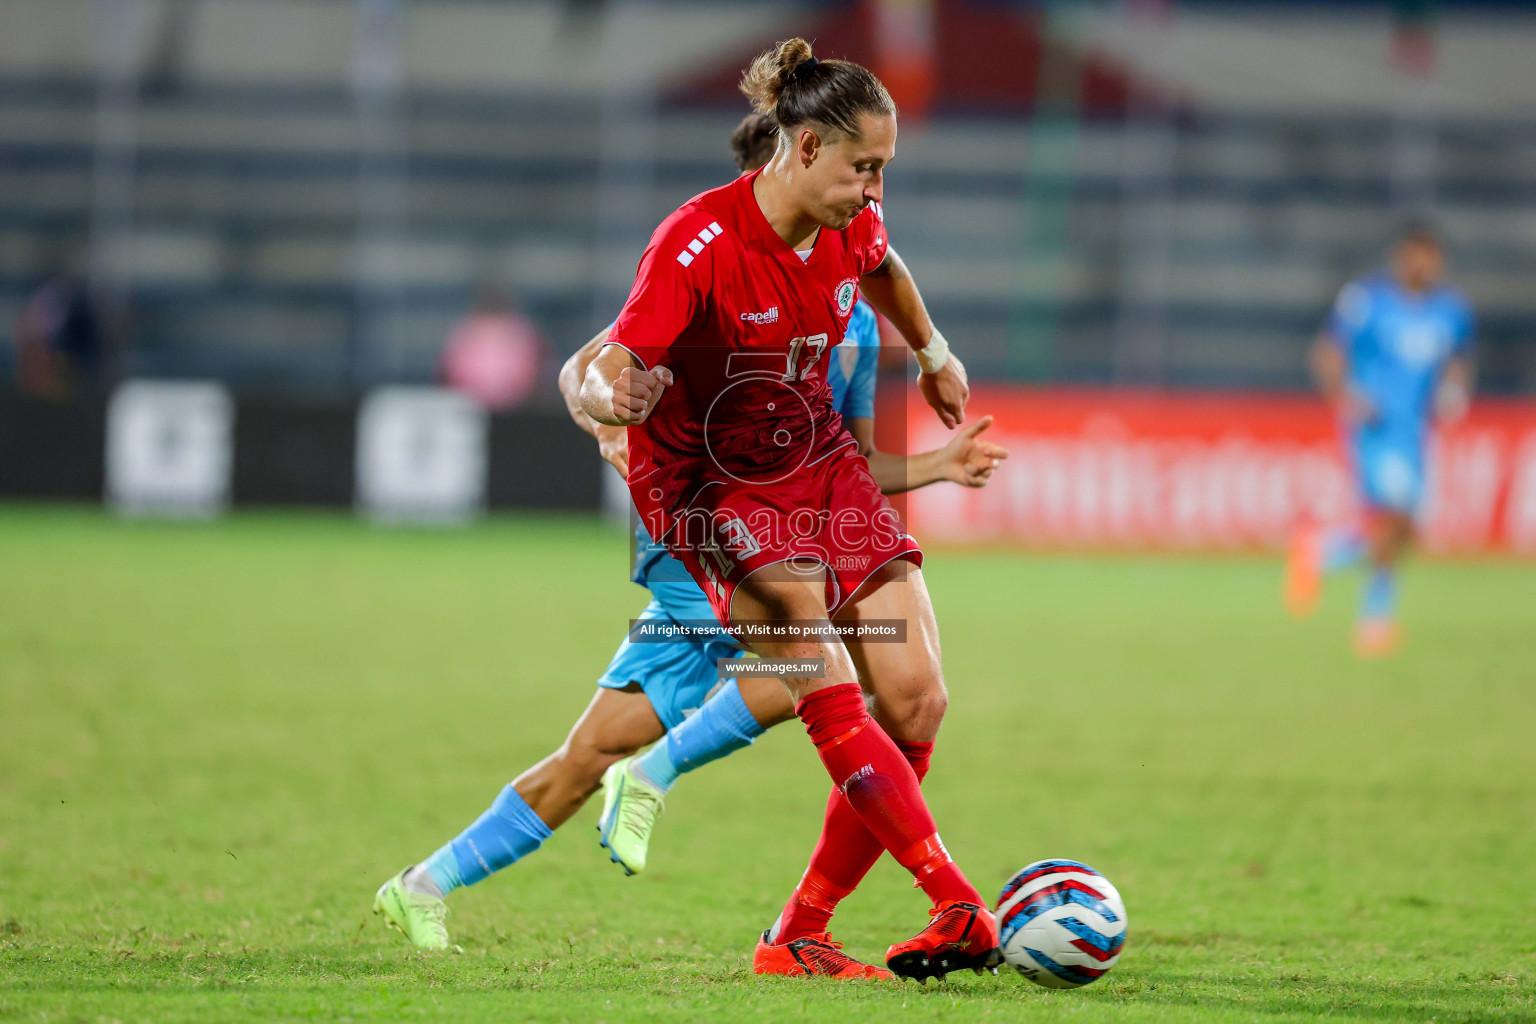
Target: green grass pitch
[[216, 740]]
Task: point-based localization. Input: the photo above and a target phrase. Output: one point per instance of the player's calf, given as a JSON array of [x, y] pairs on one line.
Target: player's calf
[[615, 725]]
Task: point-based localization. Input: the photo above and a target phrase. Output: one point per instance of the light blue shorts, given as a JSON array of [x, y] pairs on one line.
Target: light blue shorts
[[677, 676], [1390, 473]]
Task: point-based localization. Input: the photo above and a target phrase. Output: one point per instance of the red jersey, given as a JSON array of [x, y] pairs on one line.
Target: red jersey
[[745, 326]]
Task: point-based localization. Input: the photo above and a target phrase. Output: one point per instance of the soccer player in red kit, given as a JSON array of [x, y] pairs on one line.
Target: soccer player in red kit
[[741, 467]]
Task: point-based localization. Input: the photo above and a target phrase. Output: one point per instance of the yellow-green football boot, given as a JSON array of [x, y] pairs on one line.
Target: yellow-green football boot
[[630, 807], [417, 914]]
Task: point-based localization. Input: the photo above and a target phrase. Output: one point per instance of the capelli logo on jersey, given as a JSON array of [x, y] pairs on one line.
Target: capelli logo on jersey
[[769, 317]]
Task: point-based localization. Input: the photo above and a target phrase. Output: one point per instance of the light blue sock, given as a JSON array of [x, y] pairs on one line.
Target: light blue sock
[[722, 726], [506, 833], [1380, 598], [1342, 547]]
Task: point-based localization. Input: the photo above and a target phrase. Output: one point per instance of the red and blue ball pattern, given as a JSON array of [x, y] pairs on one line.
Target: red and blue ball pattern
[[1061, 924]]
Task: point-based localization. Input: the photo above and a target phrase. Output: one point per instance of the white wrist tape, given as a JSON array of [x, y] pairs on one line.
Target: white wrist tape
[[932, 356]]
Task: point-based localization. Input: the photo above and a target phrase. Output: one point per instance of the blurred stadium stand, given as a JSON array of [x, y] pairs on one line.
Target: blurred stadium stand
[[1171, 201]]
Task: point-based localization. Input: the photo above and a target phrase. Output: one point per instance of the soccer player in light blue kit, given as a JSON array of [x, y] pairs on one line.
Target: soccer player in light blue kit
[[1393, 358], [667, 691]]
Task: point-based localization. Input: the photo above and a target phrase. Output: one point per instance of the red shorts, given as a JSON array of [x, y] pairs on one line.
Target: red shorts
[[830, 512]]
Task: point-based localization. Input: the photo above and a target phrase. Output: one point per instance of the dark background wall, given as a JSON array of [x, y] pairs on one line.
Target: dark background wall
[[291, 451]]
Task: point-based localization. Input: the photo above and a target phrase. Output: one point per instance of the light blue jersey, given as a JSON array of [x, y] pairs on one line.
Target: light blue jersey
[[678, 677], [851, 369], [1396, 344]]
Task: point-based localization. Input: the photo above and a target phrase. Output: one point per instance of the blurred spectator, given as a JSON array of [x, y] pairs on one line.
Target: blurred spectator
[[494, 354], [59, 341]]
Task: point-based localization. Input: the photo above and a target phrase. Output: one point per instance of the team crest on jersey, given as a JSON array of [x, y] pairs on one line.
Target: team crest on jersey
[[845, 294]]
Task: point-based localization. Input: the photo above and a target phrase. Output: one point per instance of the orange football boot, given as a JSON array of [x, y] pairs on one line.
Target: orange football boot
[[959, 935], [1303, 587], [812, 954], [1377, 638]]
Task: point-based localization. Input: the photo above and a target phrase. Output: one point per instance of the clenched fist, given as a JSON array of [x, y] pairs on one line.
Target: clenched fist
[[636, 392]]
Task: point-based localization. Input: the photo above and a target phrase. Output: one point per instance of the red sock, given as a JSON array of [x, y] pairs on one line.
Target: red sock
[[918, 755], [843, 856], [882, 788]]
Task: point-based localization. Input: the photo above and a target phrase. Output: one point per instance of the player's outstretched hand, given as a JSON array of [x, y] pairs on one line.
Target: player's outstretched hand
[[613, 445], [969, 460], [946, 391], [636, 392]]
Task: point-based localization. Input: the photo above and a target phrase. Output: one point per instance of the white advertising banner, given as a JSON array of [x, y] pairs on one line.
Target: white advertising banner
[[169, 448], [421, 456]]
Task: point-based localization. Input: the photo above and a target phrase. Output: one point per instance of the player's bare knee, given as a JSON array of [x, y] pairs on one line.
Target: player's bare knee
[[784, 590], [914, 716], [583, 759], [926, 712], [788, 602], [609, 748]]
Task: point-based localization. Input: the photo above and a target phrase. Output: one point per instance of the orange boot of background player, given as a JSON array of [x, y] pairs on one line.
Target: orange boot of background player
[[1303, 586], [1377, 638]]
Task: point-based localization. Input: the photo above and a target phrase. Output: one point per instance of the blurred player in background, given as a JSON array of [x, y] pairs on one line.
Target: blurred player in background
[[494, 354], [1393, 358], [668, 690], [61, 342], [740, 465]]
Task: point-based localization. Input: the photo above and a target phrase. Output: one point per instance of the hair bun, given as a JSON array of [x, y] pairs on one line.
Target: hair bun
[[767, 76], [831, 94]]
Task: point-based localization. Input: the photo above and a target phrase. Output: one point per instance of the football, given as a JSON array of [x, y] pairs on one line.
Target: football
[[1061, 924]]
